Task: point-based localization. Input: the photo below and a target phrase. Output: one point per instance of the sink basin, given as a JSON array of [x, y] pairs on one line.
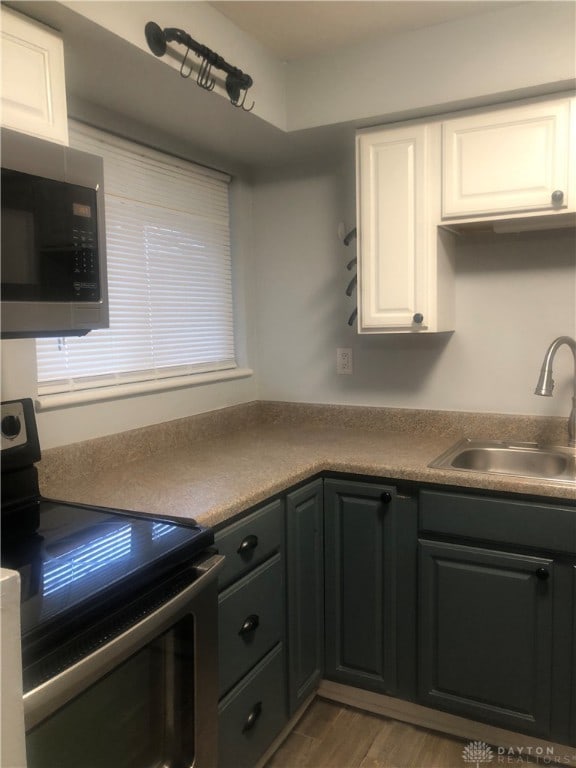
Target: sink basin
[[547, 462]]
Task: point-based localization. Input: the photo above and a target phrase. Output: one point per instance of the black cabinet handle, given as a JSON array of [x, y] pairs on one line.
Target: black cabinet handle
[[386, 497], [248, 544], [418, 318], [252, 717], [542, 573], [251, 623]]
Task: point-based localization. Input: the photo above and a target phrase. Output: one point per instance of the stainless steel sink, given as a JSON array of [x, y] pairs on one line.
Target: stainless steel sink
[[548, 462]]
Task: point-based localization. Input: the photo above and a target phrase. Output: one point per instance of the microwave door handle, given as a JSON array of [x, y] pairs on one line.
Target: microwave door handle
[[48, 697]]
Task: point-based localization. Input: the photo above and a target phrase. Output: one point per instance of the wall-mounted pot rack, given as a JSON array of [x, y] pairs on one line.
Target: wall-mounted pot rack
[[237, 82]]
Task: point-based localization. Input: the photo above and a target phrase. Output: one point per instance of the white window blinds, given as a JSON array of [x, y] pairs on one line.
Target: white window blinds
[[169, 274]]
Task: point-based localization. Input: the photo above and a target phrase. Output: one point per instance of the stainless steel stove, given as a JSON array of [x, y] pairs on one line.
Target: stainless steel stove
[[119, 623]]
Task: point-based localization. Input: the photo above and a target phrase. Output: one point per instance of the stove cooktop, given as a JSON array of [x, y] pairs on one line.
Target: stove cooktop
[[85, 571], [79, 554]]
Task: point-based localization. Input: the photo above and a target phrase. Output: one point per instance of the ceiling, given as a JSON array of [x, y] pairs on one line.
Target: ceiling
[[303, 28]]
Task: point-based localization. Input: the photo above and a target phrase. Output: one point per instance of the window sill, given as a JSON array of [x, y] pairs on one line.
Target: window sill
[[117, 391]]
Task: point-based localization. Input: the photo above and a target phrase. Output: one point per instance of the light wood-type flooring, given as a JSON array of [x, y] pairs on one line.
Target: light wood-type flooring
[[331, 735]]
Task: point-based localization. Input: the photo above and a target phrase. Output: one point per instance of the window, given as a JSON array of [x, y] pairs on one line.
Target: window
[[169, 275]]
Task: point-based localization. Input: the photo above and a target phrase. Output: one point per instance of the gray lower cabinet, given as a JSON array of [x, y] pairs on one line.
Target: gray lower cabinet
[[496, 612], [305, 578], [460, 601], [486, 634], [253, 713], [360, 584], [251, 616], [252, 636]]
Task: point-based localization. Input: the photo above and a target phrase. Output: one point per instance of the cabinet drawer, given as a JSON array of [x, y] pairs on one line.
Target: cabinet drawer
[[253, 713], [250, 541], [251, 621], [520, 523]]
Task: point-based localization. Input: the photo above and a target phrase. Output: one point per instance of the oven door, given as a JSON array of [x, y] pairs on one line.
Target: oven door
[[146, 699]]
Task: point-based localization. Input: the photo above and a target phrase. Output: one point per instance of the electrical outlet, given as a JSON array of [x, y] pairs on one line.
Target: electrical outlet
[[344, 360]]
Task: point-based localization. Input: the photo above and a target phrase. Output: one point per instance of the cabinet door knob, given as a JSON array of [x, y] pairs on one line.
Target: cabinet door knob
[[250, 721], [386, 497], [542, 573], [418, 318], [557, 197], [251, 623], [248, 544]]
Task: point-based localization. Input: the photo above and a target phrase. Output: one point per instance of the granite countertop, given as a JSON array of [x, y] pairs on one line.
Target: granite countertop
[[219, 473]]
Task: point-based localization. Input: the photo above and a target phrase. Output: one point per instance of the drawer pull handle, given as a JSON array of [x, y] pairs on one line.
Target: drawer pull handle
[[543, 573], [386, 497], [252, 717], [248, 544], [251, 623]]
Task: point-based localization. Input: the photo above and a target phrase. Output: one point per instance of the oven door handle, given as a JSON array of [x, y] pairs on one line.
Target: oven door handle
[[48, 697]]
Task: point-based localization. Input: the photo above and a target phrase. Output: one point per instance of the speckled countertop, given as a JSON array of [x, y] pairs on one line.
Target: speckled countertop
[[214, 466]]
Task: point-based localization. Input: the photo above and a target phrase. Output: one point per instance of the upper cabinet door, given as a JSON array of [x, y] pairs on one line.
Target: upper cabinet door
[[33, 92], [405, 264], [391, 168], [509, 161]]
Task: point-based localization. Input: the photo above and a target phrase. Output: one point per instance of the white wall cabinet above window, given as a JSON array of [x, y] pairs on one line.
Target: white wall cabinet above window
[[515, 161], [404, 272], [33, 91]]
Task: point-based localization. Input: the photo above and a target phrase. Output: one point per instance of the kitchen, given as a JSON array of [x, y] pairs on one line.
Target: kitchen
[[293, 196]]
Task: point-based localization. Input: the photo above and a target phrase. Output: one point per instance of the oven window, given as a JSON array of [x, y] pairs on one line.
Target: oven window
[[140, 715]]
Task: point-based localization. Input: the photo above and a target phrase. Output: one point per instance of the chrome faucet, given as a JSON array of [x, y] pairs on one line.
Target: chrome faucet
[[546, 382]]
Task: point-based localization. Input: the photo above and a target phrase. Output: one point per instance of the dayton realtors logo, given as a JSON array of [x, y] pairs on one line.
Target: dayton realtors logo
[[477, 754]]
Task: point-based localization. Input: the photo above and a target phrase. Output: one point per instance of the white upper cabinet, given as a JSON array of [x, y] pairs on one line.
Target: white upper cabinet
[[33, 92], [511, 161], [401, 287]]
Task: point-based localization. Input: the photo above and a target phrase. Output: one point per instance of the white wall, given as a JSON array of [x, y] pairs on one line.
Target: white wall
[[505, 53], [205, 25], [83, 422], [468, 61], [514, 295]]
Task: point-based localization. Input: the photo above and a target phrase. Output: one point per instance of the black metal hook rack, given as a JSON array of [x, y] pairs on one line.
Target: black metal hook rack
[[237, 82], [353, 282]]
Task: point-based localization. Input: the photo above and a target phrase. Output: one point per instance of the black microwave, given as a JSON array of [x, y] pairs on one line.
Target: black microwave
[[53, 258]]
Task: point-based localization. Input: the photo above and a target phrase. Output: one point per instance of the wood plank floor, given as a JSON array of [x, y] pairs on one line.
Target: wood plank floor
[[330, 735]]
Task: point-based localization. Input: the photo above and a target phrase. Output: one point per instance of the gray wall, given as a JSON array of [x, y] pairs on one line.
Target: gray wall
[[514, 295]]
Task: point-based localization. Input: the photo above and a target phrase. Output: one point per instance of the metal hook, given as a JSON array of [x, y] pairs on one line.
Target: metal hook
[[204, 80], [240, 104], [351, 285], [235, 84], [182, 65], [350, 236]]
